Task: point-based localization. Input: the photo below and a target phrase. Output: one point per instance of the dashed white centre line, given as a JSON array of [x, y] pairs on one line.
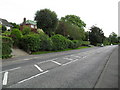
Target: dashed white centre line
[[56, 62], [38, 68], [5, 78]]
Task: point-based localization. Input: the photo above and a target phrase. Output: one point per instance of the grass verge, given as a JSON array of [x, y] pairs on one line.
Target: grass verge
[[43, 52]]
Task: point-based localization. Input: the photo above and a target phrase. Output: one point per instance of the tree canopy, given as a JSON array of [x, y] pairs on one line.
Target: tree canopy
[[73, 32], [46, 20], [113, 38], [74, 20], [96, 35]]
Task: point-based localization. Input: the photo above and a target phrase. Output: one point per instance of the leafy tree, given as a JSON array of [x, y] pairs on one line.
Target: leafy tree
[[15, 25], [74, 20], [86, 35], [73, 32], [113, 38], [46, 20], [96, 35]]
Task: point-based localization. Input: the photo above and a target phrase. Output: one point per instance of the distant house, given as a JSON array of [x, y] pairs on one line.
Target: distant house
[[29, 23], [5, 23]]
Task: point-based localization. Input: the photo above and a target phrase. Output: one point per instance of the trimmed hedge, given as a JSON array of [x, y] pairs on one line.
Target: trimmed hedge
[[59, 42], [30, 43], [6, 47]]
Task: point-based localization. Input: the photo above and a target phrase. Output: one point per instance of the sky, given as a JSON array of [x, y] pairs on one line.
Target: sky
[[102, 13]]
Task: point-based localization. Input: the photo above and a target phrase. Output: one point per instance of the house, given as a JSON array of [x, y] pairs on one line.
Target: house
[[5, 23], [29, 23]]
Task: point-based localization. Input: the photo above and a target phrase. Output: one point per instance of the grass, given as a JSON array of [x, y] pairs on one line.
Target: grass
[[43, 52]]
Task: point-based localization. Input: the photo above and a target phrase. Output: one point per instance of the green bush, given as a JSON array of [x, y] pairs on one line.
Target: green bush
[[16, 36], [6, 33], [6, 47], [76, 43], [85, 43], [30, 43], [59, 42], [26, 30], [46, 42]]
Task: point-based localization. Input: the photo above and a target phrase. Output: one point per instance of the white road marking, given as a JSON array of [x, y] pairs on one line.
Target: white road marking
[[5, 78], [68, 59], [33, 76], [69, 62], [56, 62], [26, 59], [11, 69], [38, 68], [47, 61]]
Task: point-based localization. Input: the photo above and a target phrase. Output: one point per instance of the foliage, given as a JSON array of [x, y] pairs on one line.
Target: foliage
[[40, 31], [46, 20], [30, 43], [6, 33], [15, 25], [113, 38], [3, 28], [85, 43], [76, 43], [73, 19], [59, 42], [86, 36], [6, 47], [96, 35], [16, 36], [106, 41], [26, 30], [46, 42], [73, 32]]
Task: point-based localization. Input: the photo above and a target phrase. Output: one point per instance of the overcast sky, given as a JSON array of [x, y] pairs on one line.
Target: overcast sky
[[102, 13]]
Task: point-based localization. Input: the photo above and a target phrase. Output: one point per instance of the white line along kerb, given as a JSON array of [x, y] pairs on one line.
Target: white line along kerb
[[5, 78], [38, 68], [56, 62]]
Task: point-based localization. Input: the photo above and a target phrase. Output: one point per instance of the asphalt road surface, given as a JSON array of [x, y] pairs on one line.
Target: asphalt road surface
[[85, 68]]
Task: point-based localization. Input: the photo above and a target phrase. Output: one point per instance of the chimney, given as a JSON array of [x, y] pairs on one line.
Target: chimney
[[24, 20]]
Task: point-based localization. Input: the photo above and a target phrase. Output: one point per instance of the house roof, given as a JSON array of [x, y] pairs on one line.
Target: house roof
[[5, 22], [31, 22]]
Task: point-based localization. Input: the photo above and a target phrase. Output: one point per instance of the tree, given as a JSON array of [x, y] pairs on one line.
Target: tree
[[96, 35], [74, 20], [70, 31], [113, 38], [46, 20], [15, 25]]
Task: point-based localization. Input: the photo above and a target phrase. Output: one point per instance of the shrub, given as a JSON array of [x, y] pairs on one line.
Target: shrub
[[76, 43], [16, 36], [46, 42], [6, 33], [26, 30], [85, 43], [59, 42], [30, 43], [6, 47]]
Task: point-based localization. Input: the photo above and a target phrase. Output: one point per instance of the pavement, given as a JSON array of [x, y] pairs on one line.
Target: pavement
[[85, 68]]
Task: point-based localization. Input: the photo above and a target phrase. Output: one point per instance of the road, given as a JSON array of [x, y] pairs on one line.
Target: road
[[85, 68]]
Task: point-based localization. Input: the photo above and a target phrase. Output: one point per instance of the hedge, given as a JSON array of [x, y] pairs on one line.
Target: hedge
[[16, 36], [6, 47], [59, 42], [46, 42], [30, 43]]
